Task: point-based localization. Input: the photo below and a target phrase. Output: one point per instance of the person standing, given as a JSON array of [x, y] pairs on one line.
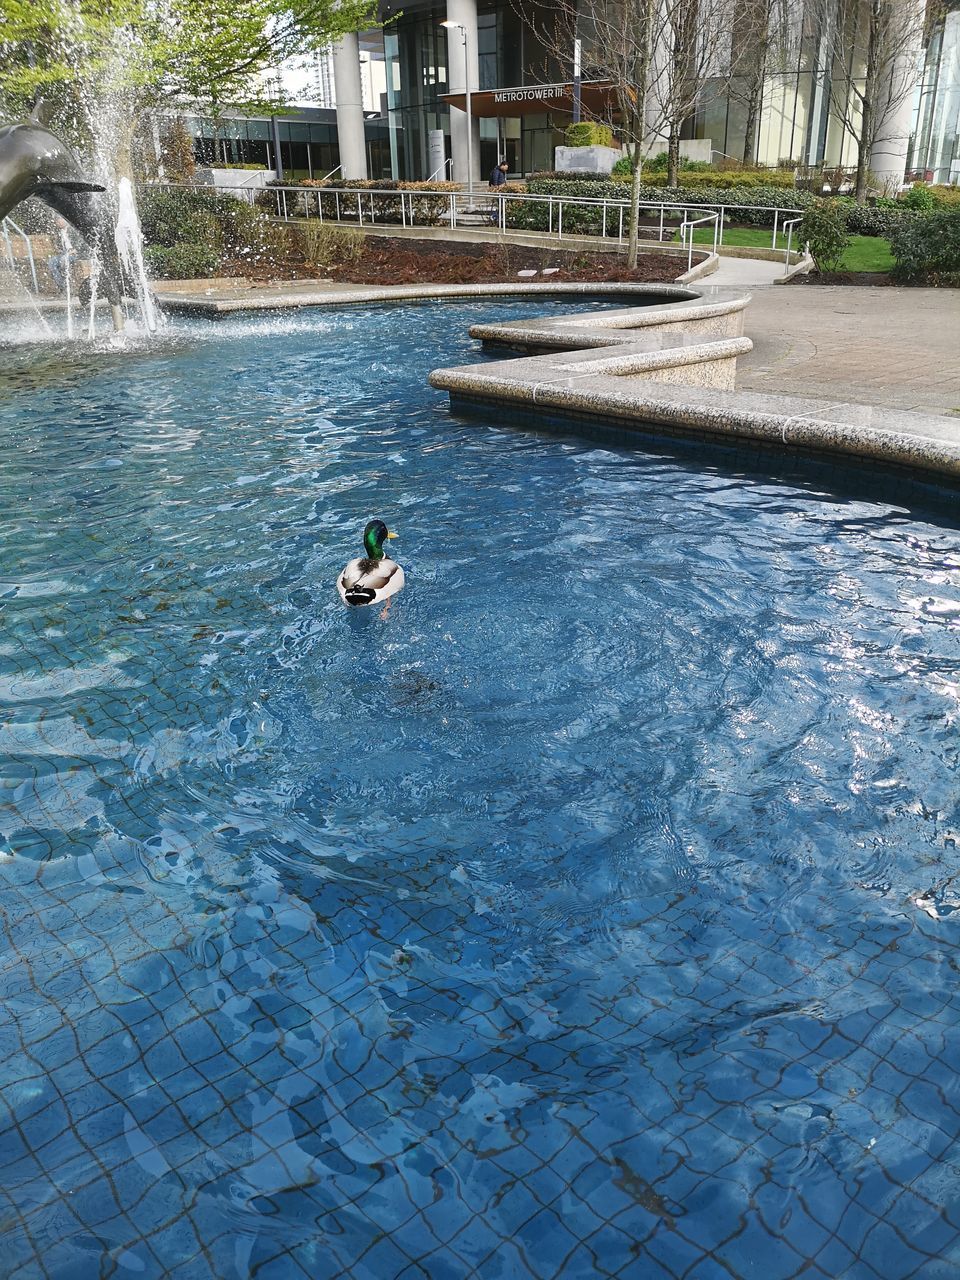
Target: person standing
[[498, 175]]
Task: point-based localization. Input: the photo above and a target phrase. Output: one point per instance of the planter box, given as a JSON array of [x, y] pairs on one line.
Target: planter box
[[586, 159]]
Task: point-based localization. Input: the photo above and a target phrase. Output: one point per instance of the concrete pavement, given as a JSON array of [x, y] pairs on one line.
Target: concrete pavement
[[899, 348]]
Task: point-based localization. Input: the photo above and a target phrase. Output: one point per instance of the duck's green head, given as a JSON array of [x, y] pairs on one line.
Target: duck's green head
[[374, 536]]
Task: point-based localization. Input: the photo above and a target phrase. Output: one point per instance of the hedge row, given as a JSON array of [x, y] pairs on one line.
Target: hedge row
[[189, 231], [534, 216], [865, 220], [876, 220], [689, 178]]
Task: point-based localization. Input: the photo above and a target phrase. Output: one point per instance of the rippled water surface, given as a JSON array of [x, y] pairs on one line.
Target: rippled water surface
[[591, 914]]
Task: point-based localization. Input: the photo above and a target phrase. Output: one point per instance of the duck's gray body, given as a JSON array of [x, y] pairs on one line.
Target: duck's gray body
[[35, 162]]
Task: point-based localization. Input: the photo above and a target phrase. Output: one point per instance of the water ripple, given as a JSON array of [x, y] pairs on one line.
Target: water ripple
[[593, 910]]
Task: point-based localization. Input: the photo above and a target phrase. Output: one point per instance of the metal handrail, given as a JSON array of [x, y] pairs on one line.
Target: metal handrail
[[448, 163], [791, 223], [691, 223], [610, 202], [359, 204], [26, 240]]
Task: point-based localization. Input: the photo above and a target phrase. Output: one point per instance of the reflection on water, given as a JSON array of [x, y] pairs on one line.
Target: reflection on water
[[594, 914]]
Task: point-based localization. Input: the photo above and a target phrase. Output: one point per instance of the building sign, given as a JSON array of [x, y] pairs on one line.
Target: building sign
[[598, 97], [541, 93]]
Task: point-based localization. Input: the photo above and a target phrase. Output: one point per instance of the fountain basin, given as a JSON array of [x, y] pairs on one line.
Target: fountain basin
[[601, 891]]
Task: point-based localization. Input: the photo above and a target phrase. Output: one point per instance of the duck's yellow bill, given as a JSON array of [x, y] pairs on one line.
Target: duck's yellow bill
[[393, 535]]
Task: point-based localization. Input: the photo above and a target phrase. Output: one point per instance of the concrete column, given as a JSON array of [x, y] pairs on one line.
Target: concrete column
[[464, 12], [349, 95], [895, 109], [658, 91]]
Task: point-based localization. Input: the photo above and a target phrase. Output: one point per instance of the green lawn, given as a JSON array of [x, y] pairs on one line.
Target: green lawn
[[864, 253]]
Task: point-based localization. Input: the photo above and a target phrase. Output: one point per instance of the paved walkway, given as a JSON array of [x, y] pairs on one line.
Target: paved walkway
[[745, 273], [894, 347]]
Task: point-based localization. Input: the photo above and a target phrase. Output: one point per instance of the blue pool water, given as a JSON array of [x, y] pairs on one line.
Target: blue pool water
[[592, 914]]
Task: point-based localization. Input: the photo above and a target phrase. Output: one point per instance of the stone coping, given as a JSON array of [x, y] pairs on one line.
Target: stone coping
[[312, 295], [608, 328], [916, 442]]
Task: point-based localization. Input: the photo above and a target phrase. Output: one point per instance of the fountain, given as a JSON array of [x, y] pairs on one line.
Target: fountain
[[35, 162]]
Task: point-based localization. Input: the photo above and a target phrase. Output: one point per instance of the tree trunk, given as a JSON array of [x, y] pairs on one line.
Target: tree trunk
[[750, 135], [673, 156], [863, 158], [633, 243], [867, 125]]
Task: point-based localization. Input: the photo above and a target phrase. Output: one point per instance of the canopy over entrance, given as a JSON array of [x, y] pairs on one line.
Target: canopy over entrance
[[598, 97]]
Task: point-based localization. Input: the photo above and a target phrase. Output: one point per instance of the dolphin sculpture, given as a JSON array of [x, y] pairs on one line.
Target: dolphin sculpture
[[35, 162]]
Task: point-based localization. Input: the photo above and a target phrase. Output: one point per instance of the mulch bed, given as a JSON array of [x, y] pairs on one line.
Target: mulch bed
[[396, 260]]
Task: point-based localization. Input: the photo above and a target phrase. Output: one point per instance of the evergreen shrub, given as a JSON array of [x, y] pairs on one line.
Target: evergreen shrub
[[587, 133], [928, 249], [824, 229], [181, 261]]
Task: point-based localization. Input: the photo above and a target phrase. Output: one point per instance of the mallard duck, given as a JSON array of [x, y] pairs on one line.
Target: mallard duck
[[374, 577]]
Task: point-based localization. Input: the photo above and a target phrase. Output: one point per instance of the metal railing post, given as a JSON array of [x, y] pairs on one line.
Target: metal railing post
[[776, 217], [788, 226], [560, 220]]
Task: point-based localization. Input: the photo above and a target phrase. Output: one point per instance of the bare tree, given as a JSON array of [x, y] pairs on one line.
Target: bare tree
[[687, 67], [760, 37], [873, 51], [619, 38]]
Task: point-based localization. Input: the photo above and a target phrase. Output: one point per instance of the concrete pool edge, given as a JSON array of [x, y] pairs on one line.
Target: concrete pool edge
[[291, 297], [674, 368], [923, 444]]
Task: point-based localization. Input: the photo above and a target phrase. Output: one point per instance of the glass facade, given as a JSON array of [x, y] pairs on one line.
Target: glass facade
[[509, 54], [796, 123], [308, 147], [935, 155], [800, 126]]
